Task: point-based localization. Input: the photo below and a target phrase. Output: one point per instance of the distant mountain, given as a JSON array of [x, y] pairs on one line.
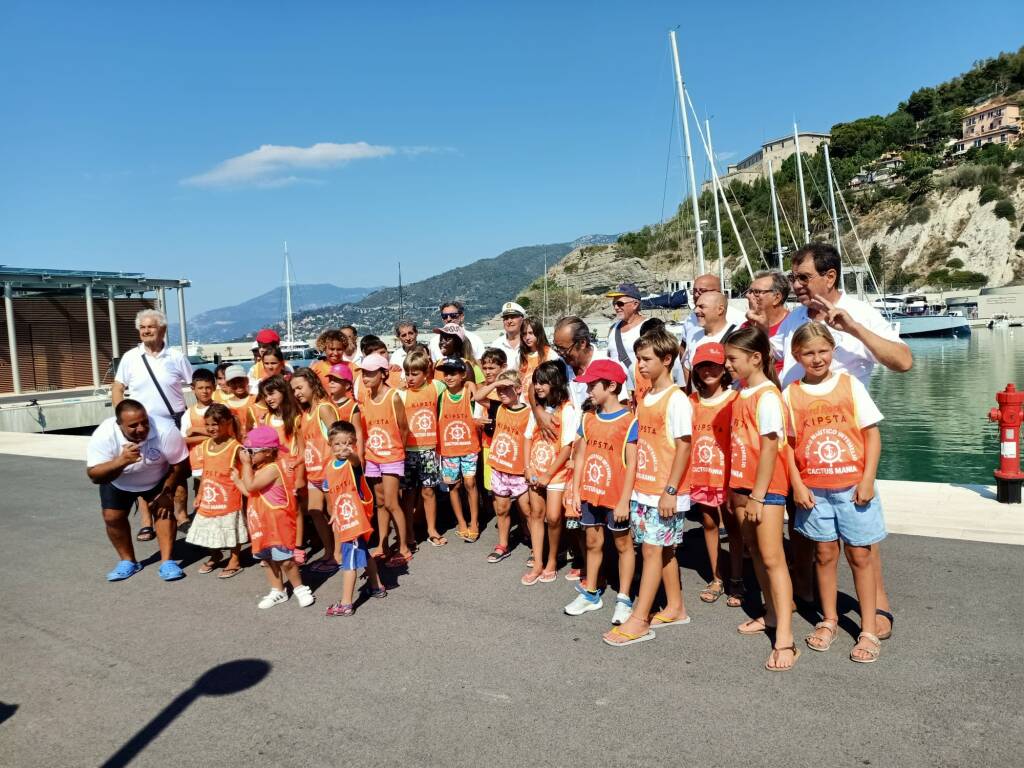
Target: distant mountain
[[266, 310], [482, 287]]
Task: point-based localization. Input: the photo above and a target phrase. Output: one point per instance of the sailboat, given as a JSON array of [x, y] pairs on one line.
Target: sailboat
[[292, 348]]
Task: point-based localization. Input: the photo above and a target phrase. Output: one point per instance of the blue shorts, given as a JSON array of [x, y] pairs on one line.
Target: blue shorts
[[835, 516], [454, 468], [770, 499], [354, 555], [593, 516], [276, 554], [649, 527]]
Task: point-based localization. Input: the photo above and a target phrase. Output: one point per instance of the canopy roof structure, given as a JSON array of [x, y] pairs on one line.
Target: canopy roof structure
[[27, 281]]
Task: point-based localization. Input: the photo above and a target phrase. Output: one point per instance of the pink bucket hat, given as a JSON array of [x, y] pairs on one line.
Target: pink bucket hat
[[262, 437]]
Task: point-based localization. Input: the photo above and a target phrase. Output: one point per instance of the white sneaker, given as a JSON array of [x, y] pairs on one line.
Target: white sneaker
[[272, 598], [304, 595], [623, 609], [585, 601]]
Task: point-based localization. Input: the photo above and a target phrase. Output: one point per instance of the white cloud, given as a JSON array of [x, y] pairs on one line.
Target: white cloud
[[277, 166]]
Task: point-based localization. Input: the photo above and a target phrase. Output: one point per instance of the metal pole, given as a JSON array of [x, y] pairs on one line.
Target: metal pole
[[689, 154], [287, 300], [832, 199], [181, 321], [11, 338], [161, 300], [115, 346], [800, 179], [775, 214], [718, 217], [93, 352]]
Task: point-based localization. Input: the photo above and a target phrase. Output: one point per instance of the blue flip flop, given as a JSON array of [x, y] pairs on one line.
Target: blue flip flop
[[125, 570], [171, 571]]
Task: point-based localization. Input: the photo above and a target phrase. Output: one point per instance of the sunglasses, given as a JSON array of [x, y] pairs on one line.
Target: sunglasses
[[254, 451], [620, 304], [450, 315], [802, 279]]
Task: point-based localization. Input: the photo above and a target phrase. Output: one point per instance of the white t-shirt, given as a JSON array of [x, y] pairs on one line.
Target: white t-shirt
[[186, 420], [474, 341], [511, 353], [770, 420], [850, 355], [680, 424], [578, 390], [702, 337], [691, 326], [863, 406], [171, 369], [163, 447], [629, 338]]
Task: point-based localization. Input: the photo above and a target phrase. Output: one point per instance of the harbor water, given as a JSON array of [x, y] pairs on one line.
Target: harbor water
[[936, 426]]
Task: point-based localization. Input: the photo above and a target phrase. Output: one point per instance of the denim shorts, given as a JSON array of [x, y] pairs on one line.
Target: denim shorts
[[835, 516], [649, 527], [276, 554], [422, 470], [592, 516], [454, 468], [770, 499], [354, 554]]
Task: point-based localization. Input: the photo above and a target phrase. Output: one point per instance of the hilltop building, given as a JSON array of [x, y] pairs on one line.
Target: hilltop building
[[755, 166], [881, 173], [996, 121]]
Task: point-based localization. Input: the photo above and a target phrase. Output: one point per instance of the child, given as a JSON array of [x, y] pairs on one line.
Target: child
[[422, 471], [369, 345], [658, 507], [534, 348], [758, 483], [332, 343], [350, 504], [708, 475], [836, 446], [277, 407], [492, 362], [271, 515], [220, 522], [514, 425], [641, 384], [339, 390], [317, 415], [605, 462], [273, 365], [386, 431], [548, 469], [241, 401], [223, 391], [193, 429], [458, 443]]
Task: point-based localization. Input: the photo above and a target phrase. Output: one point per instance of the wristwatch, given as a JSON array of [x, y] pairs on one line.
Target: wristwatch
[[671, 490]]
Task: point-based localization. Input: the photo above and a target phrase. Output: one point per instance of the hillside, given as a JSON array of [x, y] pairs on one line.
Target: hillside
[[240, 320], [482, 287]]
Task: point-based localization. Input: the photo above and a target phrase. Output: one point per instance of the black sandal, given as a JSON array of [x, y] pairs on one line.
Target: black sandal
[[146, 533]]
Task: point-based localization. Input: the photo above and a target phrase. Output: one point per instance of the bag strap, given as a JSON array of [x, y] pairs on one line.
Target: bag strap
[[621, 348], [167, 403]]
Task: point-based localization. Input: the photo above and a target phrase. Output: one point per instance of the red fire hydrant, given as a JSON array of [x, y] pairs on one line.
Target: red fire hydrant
[[1009, 414]]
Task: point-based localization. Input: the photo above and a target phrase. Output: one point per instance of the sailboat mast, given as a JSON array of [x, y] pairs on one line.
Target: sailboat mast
[[401, 302], [718, 217], [800, 181], [689, 153], [287, 296], [832, 199], [775, 214]]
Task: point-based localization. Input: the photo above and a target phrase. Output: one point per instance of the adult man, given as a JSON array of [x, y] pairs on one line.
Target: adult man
[[571, 340], [512, 316], [454, 312], [766, 298], [153, 373], [132, 456], [626, 329], [863, 338], [407, 333], [711, 315], [701, 284]]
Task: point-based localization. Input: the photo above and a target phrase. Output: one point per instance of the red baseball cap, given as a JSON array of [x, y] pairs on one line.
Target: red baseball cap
[[268, 336], [712, 352], [603, 369]]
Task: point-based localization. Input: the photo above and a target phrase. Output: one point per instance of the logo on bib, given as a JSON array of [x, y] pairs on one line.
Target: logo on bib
[[543, 455], [646, 461], [456, 433], [312, 456], [505, 449], [598, 473], [706, 449], [215, 496], [422, 423], [830, 447], [345, 512], [379, 441]]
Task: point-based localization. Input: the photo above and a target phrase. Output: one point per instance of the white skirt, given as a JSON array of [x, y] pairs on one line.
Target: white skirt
[[221, 532]]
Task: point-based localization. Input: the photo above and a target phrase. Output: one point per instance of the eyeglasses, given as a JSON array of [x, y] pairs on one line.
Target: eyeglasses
[[450, 315], [562, 351], [761, 291], [802, 279]]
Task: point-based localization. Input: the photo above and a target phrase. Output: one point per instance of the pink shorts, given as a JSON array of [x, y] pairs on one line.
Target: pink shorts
[[396, 468], [506, 485], [708, 496]]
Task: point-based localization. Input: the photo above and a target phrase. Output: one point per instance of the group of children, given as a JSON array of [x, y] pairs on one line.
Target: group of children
[[363, 449]]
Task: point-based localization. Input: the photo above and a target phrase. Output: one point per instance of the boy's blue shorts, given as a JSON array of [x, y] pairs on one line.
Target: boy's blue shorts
[[835, 516], [354, 555]]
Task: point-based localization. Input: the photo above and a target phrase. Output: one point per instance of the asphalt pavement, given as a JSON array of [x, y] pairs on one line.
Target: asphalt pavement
[[462, 666]]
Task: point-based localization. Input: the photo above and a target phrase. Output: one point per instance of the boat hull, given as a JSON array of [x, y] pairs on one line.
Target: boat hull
[[911, 326]]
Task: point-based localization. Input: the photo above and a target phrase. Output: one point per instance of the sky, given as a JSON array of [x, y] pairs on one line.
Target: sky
[[191, 139]]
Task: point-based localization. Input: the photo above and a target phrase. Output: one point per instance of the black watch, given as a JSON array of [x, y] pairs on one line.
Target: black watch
[[671, 490]]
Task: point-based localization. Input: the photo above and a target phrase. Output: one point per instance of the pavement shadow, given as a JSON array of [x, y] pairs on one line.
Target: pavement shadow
[[7, 711], [222, 680], [981, 490]]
